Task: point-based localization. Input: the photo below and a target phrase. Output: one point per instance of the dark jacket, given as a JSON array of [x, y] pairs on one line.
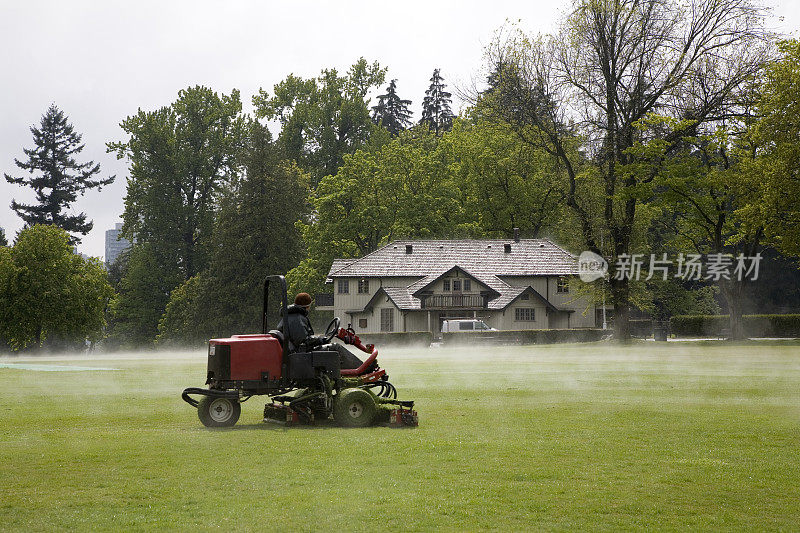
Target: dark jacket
[[299, 328]]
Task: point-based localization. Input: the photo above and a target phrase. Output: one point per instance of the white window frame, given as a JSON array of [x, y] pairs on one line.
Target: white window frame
[[524, 314], [387, 311], [363, 286], [562, 285], [343, 286]]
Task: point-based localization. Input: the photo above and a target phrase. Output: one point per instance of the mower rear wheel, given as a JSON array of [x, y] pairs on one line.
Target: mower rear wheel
[[218, 412], [354, 408]]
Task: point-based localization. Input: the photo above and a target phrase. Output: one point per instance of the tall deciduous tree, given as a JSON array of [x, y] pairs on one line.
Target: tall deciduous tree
[[148, 278], [256, 234], [507, 183], [47, 292], [776, 204], [323, 118], [55, 175], [404, 189], [392, 112], [613, 63], [703, 186], [180, 156], [436, 112]]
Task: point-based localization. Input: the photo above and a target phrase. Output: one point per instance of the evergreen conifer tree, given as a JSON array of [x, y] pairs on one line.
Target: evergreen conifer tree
[[392, 111], [436, 111], [56, 176]]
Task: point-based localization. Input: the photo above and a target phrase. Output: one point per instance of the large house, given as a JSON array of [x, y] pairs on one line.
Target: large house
[[510, 284]]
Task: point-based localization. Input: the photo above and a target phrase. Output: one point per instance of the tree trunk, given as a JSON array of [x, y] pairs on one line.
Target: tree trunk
[[39, 339], [732, 291], [620, 292]]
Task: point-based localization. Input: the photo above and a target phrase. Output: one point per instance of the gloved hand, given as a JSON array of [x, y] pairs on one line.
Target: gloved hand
[[314, 341]]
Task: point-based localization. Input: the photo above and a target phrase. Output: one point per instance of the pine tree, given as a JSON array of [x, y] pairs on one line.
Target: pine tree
[[55, 176], [436, 111], [391, 111], [3, 240]]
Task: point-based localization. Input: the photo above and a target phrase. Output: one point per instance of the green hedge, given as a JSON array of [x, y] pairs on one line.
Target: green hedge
[[405, 338], [527, 336], [642, 328], [753, 325]]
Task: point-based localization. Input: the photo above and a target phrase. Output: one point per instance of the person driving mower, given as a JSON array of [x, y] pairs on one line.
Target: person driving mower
[[300, 334]]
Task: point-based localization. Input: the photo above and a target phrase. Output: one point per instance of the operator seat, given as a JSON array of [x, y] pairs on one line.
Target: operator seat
[[278, 334]]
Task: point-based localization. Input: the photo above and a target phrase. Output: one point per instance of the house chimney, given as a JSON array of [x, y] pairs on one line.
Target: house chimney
[[507, 248], [516, 234], [409, 248]]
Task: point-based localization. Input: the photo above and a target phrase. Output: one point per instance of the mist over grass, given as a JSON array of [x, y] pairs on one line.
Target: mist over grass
[[646, 436]]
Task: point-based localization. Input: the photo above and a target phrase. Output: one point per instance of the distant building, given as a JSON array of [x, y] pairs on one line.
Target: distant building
[[115, 245], [416, 285]]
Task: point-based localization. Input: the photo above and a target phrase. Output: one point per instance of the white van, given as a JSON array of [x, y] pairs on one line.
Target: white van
[[465, 325]]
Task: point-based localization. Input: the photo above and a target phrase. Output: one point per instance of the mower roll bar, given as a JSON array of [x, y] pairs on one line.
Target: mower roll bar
[[284, 304]]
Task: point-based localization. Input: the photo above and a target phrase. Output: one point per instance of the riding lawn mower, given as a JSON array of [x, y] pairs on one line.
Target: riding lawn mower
[[304, 385]]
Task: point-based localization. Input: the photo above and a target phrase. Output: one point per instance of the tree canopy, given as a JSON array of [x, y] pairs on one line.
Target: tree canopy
[[613, 64], [180, 156], [256, 234], [48, 293], [322, 118], [776, 203]]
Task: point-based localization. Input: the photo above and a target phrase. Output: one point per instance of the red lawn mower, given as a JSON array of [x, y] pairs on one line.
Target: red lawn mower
[[306, 386]]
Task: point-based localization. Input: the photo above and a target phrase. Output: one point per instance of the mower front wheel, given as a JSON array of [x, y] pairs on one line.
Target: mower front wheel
[[354, 408], [218, 412]]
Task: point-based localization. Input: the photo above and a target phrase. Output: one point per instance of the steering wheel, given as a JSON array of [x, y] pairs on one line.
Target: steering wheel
[[332, 329]]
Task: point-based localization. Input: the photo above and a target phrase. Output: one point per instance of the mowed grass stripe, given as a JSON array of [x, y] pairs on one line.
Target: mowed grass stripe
[[556, 437]]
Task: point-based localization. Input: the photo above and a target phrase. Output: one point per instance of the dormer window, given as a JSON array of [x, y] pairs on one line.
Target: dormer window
[[446, 285], [467, 285]]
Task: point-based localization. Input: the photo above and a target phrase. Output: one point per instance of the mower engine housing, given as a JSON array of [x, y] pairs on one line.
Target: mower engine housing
[[243, 358]]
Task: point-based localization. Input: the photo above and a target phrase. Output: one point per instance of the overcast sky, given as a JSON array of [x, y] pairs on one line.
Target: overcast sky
[[101, 61]]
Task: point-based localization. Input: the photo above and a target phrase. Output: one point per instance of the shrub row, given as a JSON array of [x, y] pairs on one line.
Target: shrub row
[[528, 336], [753, 325], [641, 328]]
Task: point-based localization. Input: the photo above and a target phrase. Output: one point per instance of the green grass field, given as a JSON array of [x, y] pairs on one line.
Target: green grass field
[[676, 436]]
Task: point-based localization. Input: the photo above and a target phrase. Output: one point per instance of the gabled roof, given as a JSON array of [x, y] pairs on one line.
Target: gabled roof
[[399, 295], [481, 258], [337, 265], [405, 300], [510, 296], [419, 287]]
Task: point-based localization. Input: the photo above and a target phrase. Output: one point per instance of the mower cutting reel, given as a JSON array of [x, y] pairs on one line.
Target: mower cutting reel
[[305, 386]]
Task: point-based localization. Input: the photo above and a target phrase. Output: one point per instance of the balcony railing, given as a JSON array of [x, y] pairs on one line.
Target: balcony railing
[[451, 301], [324, 300]]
